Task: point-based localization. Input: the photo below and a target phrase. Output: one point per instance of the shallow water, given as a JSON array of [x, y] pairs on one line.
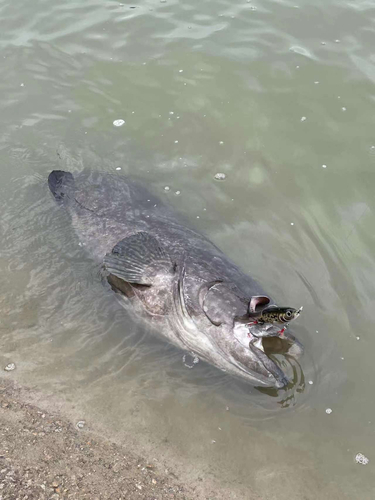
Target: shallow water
[[278, 96]]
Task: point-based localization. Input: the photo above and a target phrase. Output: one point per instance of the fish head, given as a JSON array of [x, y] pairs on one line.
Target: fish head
[[239, 337]]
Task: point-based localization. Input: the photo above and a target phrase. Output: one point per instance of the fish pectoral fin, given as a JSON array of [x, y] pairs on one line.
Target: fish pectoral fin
[[138, 259]]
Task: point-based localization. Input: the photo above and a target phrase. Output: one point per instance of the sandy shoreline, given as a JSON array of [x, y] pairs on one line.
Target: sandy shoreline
[[44, 456]]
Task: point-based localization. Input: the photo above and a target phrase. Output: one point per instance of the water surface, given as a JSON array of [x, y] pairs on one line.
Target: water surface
[[278, 96]]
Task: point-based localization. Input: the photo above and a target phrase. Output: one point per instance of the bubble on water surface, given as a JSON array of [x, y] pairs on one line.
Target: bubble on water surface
[[190, 360], [10, 367], [220, 176], [361, 459], [178, 192], [80, 424], [167, 188], [118, 123], [328, 411], [303, 118], [118, 168], [324, 166]]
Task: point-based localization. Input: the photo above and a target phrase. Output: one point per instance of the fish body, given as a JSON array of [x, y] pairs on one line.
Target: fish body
[[174, 277]]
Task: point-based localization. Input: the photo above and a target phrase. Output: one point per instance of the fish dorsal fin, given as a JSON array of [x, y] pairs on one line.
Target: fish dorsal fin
[[257, 303], [138, 259]]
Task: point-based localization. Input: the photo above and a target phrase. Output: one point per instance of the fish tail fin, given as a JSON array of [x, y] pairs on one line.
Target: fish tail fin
[[59, 182]]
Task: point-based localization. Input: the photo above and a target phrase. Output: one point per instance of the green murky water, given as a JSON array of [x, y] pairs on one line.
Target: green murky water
[[277, 95]]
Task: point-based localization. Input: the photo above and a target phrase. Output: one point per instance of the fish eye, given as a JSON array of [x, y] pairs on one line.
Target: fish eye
[[288, 314]]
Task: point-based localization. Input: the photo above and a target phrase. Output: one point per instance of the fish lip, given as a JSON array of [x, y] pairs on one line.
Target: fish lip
[[243, 336]]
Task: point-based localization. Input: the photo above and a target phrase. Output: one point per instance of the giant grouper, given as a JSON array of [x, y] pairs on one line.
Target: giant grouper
[[174, 277]]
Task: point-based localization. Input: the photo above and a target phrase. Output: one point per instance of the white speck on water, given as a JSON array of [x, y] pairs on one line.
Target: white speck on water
[[81, 424], [221, 142], [219, 428], [358, 338], [167, 188], [324, 166], [316, 331], [190, 360], [343, 359], [155, 205], [361, 459], [343, 108], [198, 217], [220, 176], [253, 7], [118, 168], [204, 209], [22, 85], [178, 192], [339, 97], [133, 112], [328, 411], [337, 41], [316, 83], [323, 43], [85, 132], [176, 142], [171, 112], [297, 67], [292, 223], [10, 367], [185, 83], [177, 117], [180, 70], [148, 200], [303, 118], [227, 408], [311, 382], [69, 110], [118, 123]]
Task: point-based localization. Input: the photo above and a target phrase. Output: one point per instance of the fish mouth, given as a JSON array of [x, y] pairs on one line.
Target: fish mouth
[[262, 349], [288, 346]]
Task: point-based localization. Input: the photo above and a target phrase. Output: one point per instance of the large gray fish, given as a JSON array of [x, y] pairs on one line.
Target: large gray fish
[[189, 290]]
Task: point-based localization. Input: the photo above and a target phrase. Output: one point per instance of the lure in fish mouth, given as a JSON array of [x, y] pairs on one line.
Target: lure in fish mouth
[[265, 322], [275, 314], [189, 290]]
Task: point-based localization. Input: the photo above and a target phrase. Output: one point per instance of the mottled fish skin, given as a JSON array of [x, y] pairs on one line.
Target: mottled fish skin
[[191, 292]]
